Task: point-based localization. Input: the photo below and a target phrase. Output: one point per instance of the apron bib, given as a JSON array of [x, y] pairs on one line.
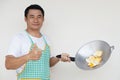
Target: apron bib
[[37, 69]]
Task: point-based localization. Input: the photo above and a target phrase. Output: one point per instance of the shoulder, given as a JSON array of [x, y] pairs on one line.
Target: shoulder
[[15, 45], [19, 36], [45, 36]]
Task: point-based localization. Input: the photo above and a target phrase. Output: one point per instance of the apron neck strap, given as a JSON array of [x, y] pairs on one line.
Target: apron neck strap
[[44, 40], [32, 40], [29, 37]]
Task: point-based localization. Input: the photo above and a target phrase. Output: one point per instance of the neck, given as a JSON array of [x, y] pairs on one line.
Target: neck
[[34, 33]]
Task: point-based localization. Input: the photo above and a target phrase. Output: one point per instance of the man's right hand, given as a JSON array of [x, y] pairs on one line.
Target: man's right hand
[[13, 62], [35, 53]]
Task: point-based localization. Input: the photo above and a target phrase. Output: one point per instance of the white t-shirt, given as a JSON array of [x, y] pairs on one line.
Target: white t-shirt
[[21, 44]]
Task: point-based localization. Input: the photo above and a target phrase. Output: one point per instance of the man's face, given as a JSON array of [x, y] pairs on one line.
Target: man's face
[[34, 19]]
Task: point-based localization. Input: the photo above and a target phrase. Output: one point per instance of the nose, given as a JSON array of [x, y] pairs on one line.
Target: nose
[[35, 20]]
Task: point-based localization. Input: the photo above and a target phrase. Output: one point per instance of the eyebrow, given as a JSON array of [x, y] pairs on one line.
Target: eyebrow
[[33, 15], [39, 15]]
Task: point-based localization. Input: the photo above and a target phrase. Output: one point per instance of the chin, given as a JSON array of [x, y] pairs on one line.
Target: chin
[[35, 27]]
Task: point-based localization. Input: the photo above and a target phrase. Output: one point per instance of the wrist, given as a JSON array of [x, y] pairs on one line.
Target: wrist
[[58, 59], [27, 57]]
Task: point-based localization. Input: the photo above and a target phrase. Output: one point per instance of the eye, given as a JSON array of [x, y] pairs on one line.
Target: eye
[[31, 17], [39, 16]]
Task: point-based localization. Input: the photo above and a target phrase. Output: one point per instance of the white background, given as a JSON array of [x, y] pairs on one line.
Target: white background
[[69, 24]]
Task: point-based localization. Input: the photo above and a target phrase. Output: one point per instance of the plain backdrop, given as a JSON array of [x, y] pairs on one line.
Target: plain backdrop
[[69, 24]]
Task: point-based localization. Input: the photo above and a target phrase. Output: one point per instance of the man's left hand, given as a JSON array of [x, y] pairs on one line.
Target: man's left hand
[[65, 57]]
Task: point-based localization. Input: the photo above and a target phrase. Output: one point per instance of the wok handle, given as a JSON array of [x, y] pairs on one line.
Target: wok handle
[[71, 58], [112, 48]]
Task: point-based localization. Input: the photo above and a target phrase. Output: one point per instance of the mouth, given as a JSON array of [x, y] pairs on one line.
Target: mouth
[[35, 24]]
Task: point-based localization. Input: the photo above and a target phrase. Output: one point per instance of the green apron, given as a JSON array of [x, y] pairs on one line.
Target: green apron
[[37, 69]]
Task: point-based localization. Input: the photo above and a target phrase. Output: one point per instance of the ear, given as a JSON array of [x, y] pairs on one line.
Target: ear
[[25, 18], [43, 19]]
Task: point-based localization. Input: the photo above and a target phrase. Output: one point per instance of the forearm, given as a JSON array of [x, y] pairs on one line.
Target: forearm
[[53, 61], [14, 63]]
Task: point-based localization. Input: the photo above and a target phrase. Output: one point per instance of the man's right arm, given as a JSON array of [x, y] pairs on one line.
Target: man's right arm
[[12, 62], [15, 62]]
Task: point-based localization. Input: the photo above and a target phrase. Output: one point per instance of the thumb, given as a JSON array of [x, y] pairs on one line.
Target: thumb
[[35, 47], [39, 50]]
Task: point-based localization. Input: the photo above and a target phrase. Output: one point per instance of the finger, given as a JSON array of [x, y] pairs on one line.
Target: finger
[[35, 58], [69, 59], [65, 54], [65, 57], [35, 47], [39, 50], [39, 53]]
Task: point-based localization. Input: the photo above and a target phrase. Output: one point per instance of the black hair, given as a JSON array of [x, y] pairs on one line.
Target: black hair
[[33, 6]]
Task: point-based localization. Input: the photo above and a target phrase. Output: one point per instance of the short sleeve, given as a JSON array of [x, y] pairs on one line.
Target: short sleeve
[[15, 47]]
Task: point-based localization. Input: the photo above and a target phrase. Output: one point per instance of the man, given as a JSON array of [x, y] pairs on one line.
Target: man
[[29, 51]]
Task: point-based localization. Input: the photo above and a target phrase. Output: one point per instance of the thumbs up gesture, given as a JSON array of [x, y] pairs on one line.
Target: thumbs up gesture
[[35, 53]]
